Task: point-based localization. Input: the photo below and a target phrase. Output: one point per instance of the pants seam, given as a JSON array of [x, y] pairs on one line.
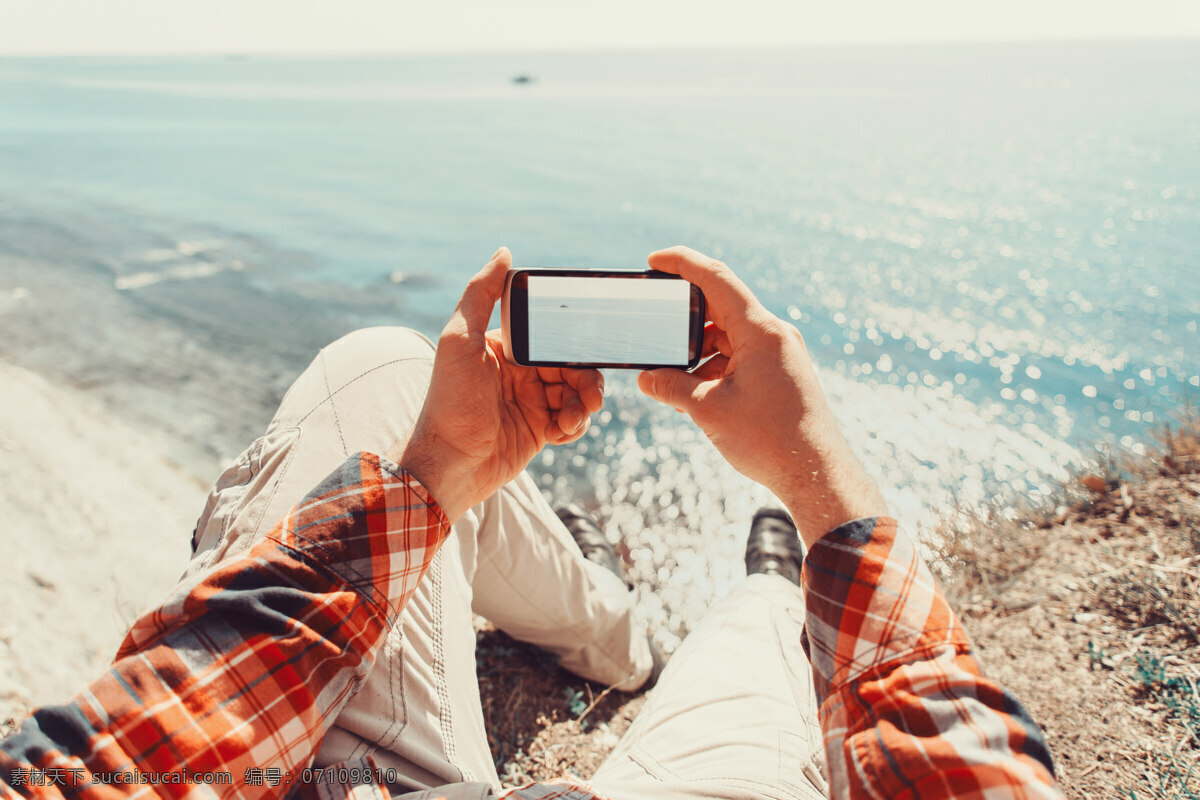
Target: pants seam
[[396, 684], [364, 373], [276, 483], [337, 423], [639, 756], [236, 498], [439, 665], [256, 448]]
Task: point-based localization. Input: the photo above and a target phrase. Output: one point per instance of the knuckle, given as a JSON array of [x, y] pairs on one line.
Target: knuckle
[[781, 335], [772, 325], [718, 267], [455, 325]]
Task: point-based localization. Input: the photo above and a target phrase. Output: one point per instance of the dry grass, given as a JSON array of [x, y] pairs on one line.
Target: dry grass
[[1179, 444], [542, 721], [1090, 613]]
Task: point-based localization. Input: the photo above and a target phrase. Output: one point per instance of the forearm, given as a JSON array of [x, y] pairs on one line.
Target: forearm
[[248, 666], [903, 703], [829, 487]]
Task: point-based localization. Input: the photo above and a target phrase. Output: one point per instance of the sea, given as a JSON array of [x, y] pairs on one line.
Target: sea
[[609, 330], [992, 250]]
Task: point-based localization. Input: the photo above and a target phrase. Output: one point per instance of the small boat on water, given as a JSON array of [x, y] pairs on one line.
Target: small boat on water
[[523, 79], [564, 305]]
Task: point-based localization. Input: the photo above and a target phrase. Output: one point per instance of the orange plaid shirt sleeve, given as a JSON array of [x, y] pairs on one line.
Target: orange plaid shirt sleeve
[[905, 709], [229, 686]]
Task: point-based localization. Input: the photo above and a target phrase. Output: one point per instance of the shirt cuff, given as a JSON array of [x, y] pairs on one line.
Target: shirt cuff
[[373, 525], [871, 602]]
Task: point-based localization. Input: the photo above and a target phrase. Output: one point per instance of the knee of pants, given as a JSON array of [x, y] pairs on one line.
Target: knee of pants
[[381, 343], [358, 353]]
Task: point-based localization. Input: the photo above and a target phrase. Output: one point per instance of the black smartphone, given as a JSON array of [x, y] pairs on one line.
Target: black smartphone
[[601, 318]]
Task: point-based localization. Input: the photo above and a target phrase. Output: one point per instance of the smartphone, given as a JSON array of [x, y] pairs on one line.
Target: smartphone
[[601, 318]]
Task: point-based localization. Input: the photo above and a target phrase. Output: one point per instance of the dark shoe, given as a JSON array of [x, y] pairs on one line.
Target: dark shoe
[[591, 540], [658, 662], [774, 546]]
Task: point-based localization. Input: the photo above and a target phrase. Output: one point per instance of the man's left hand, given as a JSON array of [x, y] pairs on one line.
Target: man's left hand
[[484, 419]]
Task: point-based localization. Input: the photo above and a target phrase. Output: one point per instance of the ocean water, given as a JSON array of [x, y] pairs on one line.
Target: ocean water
[[991, 250], [607, 330]]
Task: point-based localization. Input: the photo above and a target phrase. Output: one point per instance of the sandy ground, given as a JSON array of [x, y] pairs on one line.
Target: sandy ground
[[96, 528]]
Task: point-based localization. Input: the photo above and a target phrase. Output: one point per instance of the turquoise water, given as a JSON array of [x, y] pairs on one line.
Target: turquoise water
[[991, 250]]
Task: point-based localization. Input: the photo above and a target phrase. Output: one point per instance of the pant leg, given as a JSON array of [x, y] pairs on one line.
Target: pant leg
[[734, 714], [419, 711], [533, 583]]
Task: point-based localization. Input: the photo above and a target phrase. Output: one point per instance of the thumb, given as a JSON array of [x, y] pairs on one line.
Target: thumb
[[479, 298], [674, 387]]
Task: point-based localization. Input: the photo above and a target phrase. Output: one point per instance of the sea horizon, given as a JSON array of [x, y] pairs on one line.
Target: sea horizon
[[576, 50]]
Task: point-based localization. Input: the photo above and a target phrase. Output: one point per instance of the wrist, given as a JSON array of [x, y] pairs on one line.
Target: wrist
[[817, 513], [830, 493], [439, 469]]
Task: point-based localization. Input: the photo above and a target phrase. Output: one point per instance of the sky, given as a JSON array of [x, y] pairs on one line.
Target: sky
[[59, 27]]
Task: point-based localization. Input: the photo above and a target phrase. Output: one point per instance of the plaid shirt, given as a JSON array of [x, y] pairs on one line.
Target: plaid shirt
[[228, 687]]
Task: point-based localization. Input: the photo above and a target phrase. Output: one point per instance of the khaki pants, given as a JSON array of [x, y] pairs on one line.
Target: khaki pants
[[733, 714]]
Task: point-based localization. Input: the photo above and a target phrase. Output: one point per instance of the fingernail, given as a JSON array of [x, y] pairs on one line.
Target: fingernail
[[601, 383], [496, 254]]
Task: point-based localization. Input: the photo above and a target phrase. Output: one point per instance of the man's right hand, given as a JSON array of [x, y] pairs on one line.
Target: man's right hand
[[758, 400]]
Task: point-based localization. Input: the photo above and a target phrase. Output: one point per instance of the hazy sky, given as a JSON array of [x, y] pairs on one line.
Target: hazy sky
[[399, 26]]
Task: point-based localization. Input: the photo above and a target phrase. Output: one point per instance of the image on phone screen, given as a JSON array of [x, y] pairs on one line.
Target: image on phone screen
[[619, 321]]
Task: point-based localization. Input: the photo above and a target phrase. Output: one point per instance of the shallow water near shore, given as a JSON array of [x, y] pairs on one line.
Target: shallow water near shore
[[991, 251]]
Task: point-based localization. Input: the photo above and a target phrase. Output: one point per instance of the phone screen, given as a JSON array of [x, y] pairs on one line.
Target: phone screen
[[609, 320]]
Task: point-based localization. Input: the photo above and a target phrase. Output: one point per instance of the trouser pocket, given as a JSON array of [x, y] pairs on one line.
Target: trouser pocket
[[234, 514]]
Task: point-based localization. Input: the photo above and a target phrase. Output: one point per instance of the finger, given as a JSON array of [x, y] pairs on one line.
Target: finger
[[573, 415], [712, 369], [550, 374], [554, 395], [570, 422], [674, 387], [588, 384], [715, 341], [725, 294], [555, 434], [483, 290], [529, 398]]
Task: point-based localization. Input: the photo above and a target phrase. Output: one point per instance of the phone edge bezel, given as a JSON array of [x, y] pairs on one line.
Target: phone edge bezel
[[517, 349]]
